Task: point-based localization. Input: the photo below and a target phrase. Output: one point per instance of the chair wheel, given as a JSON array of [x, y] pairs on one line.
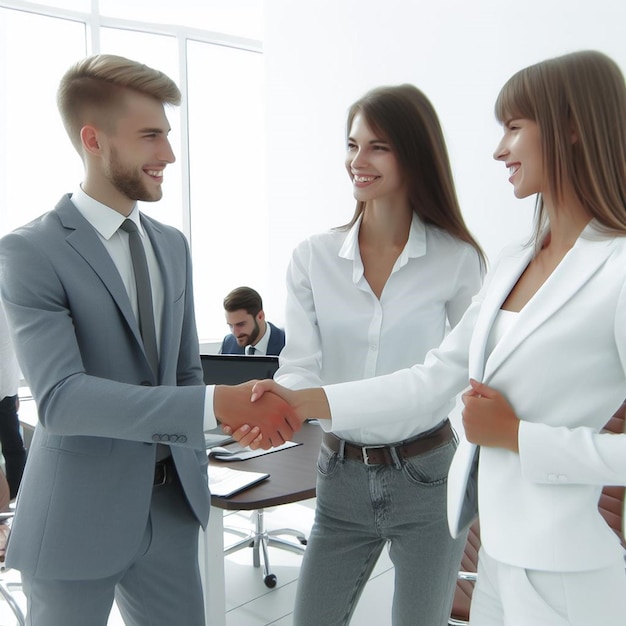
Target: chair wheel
[[270, 581]]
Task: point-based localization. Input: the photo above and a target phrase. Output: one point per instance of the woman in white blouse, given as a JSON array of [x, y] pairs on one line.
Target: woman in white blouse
[[543, 346], [368, 299]]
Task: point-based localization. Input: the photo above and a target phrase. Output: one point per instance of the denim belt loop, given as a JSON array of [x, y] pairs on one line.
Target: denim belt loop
[[342, 448], [397, 461]]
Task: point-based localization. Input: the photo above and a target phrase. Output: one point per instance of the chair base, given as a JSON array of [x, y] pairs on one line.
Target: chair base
[[260, 540], [5, 592]]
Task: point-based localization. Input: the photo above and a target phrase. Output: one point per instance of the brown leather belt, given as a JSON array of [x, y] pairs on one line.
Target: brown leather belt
[[384, 454], [165, 472]]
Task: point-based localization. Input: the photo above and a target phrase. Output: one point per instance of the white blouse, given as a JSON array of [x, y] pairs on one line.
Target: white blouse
[[337, 330]]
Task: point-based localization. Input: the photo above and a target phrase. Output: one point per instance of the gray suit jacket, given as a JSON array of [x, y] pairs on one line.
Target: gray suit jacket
[[86, 491]]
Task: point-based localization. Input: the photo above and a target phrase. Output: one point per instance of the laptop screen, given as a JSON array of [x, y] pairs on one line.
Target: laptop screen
[[232, 369]]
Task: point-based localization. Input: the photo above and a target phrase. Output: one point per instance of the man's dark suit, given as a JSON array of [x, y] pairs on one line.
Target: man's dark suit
[[274, 346]]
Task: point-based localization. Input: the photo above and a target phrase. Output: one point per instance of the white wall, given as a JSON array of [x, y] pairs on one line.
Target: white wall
[[322, 55]]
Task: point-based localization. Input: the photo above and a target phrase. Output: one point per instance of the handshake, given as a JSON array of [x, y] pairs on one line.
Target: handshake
[[262, 414]]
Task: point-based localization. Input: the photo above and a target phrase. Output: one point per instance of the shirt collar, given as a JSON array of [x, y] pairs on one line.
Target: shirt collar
[[262, 344], [415, 246], [102, 217]]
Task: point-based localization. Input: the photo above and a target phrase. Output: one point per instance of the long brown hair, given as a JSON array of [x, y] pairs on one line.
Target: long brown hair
[[579, 103], [404, 116]]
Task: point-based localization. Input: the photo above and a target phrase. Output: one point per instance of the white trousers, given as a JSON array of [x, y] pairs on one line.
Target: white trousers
[[512, 596]]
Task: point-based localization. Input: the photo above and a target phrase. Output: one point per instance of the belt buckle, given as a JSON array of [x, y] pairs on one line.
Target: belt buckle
[[366, 458]]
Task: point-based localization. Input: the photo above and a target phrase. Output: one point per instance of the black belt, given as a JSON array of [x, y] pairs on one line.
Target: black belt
[[384, 454], [165, 472]]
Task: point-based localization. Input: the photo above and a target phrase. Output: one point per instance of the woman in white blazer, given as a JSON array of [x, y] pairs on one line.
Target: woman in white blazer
[[546, 338]]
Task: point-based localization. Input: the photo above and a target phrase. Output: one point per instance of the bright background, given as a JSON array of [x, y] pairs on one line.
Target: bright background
[[260, 135]]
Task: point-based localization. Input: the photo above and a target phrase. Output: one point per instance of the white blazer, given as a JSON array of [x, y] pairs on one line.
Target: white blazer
[[562, 366]]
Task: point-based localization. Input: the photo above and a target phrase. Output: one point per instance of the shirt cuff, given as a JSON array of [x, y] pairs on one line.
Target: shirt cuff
[[209, 416]]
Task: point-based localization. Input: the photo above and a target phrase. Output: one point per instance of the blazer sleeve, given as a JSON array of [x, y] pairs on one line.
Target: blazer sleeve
[[571, 456], [42, 315], [583, 456]]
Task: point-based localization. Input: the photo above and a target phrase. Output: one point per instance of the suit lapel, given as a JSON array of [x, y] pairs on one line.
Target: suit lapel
[[84, 239], [577, 267]]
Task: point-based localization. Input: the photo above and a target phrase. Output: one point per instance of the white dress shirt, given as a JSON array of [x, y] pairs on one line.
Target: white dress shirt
[[338, 330], [106, 222], [260, 347]]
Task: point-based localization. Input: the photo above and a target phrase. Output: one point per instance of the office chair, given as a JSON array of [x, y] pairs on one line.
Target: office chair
[[260, 539], [610, 505], [459, 616]]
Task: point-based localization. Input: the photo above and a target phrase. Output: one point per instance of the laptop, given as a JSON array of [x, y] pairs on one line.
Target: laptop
[[232, 369]]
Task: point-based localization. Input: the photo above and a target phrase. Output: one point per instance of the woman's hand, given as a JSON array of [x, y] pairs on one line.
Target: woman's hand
[[488, 418]]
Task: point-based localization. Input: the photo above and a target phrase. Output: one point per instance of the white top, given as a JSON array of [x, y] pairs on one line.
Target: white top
[[9, 369], [338, 330], [502, 323]]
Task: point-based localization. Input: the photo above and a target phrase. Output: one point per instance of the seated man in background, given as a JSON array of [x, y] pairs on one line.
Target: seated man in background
[[251, 333]]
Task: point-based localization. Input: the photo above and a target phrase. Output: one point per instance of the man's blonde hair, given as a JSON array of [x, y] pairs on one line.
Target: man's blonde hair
[[93, 90]]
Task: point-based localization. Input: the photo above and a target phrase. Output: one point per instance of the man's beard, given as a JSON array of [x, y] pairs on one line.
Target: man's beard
[[254, 334], [129, 181]]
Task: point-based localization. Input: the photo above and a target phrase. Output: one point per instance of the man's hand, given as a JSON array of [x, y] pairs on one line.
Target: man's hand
[[275, 419], [306, 403], [488, 419]]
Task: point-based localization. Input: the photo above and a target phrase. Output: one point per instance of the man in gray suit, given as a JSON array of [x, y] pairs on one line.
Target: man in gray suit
[[115, 485]]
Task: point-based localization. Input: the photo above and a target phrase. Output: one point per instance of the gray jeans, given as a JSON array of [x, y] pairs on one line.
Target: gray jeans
[[359, 510]]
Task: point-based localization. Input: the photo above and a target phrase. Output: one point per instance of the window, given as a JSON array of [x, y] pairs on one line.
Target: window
[[215, 190]]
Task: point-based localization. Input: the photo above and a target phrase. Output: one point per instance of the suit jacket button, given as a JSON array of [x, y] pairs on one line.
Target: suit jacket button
[[156, 437], [145, 383], [182, 439]]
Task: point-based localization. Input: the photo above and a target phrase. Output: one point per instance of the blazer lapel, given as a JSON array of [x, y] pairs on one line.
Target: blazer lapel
[[84, 239], [585, 258]]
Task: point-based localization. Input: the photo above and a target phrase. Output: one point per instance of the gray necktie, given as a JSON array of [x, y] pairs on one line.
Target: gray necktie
[[144, 294], [251, 350]]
